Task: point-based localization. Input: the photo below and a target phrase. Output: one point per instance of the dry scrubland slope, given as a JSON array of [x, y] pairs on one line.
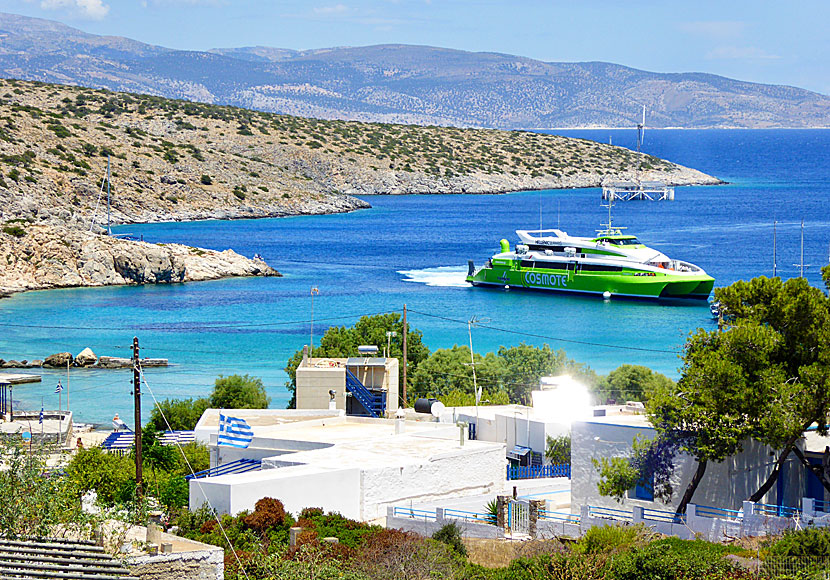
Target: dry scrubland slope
[[178, 160]]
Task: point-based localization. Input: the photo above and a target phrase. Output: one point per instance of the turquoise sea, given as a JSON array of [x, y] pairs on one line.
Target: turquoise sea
[[413, 250]]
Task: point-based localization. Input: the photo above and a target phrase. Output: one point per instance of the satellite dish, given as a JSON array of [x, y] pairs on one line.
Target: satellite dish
[[436, 409]]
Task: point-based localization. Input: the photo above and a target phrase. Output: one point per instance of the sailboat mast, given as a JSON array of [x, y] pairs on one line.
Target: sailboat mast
[[109, 230], [774, 249], [802, 248]]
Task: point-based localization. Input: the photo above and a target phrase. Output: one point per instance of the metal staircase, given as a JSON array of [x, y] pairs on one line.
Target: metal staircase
[[374, 402]]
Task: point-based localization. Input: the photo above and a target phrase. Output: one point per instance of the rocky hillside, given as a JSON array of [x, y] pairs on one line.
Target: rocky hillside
[[40, 256], [403, 84], [177, 160]]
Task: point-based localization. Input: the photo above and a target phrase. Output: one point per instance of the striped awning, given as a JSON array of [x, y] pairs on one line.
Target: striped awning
[[123, 440]]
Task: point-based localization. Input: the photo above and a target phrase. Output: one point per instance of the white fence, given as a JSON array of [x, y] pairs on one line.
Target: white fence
[[712, 523]]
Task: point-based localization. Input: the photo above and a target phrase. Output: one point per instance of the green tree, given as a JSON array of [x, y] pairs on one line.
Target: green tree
[[558, 449], [342, 341], [156, 456], [525, 365], [239, 392], [448, 370], [767, 378], [182, 414], [629, 383]]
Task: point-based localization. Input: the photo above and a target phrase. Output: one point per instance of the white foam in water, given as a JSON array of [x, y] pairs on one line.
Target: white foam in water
[[443, 276]]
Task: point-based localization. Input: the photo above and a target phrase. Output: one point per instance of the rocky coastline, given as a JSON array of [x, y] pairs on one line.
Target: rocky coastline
[[46, 256]]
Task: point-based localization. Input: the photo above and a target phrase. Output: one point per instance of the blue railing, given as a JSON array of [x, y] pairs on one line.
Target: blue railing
[[821, 505], [473, 517], [663, 516], [238, 466], [413, 513], [715, 512], [374, 403], [610, 513], [537, 471], [568, 518], [780, 511]]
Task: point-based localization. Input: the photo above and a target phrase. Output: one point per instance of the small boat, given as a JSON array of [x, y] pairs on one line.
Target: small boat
[[610, 264]]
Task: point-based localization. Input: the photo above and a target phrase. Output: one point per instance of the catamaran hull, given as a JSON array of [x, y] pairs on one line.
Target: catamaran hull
[[645, 285]]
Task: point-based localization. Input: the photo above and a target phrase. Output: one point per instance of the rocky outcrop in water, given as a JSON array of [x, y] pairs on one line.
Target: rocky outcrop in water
[[54, 257]]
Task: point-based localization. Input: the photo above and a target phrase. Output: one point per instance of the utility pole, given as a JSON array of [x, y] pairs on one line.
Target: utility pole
[[404, 355], [139, 482], [314, 292]]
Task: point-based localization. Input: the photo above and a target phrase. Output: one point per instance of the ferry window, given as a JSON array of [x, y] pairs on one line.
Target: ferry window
[[527, 263], [601, 268], [626, 242]]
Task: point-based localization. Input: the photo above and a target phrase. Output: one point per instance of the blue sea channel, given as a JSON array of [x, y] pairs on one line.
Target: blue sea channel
[[413, 250]]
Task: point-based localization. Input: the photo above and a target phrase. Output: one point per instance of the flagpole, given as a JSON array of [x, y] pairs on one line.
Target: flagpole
[[67, 385], [60, 416]]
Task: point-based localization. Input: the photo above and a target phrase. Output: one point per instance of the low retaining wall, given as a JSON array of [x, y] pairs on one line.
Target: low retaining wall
[[426, 526], [190, 560]]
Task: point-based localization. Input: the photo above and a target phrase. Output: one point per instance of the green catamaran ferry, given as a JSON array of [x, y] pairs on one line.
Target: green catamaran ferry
[[611, 264]]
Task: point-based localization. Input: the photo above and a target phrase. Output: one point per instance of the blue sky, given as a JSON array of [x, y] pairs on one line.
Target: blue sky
[[771, 42]]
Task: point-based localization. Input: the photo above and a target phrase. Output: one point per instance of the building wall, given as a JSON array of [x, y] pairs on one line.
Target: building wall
[[724, 485], [296, 487], [314, 384], [476, 469]]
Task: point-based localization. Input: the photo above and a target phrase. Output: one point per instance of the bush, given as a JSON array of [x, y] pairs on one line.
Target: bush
[[175, 492], [600, 539], [450, 534], [107, 474], [239, 392], [14, 230], [206, 180], [268, 513], [182, 414], [806, 543], [671, 559]]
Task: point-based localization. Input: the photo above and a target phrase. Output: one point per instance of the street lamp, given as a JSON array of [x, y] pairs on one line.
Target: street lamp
[[389, 335], [314, 292]]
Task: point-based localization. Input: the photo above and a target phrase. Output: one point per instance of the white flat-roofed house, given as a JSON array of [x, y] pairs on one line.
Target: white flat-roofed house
[[357, 466]]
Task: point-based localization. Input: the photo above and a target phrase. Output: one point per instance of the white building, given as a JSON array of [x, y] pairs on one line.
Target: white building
[[724, 485], [354, 465]]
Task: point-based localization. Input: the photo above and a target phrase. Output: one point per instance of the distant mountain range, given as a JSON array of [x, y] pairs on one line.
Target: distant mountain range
[[403, 84]]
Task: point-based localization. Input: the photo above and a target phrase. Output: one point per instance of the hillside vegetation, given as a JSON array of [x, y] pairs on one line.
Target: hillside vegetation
[[178, 160]]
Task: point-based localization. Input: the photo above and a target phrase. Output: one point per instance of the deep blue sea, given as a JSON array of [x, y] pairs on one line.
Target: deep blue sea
[[413, 250]]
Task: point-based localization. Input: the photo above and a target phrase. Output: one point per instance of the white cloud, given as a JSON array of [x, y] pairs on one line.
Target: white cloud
[[740, 53], [331, 10], [92, 9]]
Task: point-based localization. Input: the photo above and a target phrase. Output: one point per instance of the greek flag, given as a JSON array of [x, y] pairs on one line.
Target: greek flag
[[40, 419], [234, 432], [59, 388]]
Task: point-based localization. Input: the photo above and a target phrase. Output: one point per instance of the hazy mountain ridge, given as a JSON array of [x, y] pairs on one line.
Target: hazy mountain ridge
[[401, 83]]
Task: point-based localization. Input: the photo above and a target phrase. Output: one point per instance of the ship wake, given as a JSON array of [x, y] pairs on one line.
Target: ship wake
[[442, 276]]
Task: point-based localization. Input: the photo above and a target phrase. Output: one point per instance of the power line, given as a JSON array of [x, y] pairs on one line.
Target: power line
[[198, 326], [542, 336]]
